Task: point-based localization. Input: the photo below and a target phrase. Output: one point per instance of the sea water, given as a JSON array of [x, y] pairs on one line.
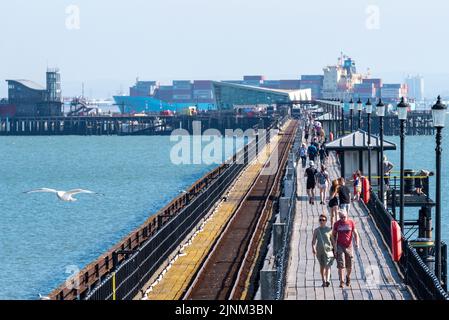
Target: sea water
[[43, 240], [420, 154]]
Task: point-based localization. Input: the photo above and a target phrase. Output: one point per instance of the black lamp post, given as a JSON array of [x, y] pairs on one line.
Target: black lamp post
[[402, 115], [360, 109], [439, 117], [336, 118], [351, 114], [380, 110], [342, 109], [369, 110]]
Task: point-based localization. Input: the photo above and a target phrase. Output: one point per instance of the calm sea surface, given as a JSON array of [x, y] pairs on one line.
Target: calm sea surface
[[44, 240]]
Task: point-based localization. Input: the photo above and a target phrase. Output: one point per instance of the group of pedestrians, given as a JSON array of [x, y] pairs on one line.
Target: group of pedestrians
[[334, 242]]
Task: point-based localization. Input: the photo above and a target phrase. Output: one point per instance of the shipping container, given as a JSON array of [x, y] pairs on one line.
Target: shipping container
[[290, 84], [202, 85], [254, 78], [182, 85]]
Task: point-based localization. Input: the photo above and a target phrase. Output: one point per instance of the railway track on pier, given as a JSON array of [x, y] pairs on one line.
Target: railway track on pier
[[227, 271]]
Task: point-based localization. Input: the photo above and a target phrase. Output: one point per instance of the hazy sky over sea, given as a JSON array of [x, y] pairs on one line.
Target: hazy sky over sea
[[114, 41]]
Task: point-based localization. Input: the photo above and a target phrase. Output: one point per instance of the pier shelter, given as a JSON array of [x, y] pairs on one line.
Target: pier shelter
[[353, 153]]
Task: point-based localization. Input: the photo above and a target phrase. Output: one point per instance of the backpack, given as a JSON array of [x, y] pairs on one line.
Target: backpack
[[312, 150], [322, 178]]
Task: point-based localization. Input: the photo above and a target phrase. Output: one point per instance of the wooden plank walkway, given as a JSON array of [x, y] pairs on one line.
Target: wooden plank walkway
[[374, 276]]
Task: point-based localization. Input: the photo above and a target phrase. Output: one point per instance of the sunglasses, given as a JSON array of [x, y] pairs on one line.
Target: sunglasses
[[323, 220]]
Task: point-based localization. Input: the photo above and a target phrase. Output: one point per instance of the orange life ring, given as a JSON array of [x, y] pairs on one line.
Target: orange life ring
[[396, 241], [366, 190]]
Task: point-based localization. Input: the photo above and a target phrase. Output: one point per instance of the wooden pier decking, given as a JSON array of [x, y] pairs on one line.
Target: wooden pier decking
[[374, 275]]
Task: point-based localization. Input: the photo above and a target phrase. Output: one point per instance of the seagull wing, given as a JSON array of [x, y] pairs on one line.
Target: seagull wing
[[42, 190], [76, 191]]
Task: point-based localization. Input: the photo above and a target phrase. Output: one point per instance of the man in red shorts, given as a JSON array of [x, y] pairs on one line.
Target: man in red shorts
[[344, 232]]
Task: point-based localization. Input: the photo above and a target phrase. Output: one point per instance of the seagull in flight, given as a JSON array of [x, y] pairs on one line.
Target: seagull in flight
[[66, 196]]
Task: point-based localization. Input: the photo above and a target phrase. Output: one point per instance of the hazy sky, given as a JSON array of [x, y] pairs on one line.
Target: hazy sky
[[118, 40]]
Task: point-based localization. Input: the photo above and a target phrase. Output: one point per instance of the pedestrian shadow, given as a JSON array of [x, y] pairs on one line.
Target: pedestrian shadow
[[302, 198]]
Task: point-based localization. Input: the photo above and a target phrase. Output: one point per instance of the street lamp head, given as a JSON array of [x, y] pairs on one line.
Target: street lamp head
[[369, 107], [402, 109], [359, 105], [380, 109], [439, 114], [351, 104]]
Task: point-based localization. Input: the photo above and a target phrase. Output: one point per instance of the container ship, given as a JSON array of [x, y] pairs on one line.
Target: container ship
[[151, 97]]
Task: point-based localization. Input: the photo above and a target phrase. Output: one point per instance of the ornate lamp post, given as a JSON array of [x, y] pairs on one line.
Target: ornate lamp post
[[369, 110], [439, 119], [360, 109], [402, 115], [342, 107], [380, 110], [336, 106], [351, 113]]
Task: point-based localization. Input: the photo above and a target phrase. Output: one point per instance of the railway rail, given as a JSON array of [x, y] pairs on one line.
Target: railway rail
[[227, 271]]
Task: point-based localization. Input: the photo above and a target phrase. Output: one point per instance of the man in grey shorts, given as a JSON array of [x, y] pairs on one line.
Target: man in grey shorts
[[343, 233]]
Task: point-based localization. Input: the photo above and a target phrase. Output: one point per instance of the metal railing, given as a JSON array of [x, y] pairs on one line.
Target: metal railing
[[272, 276], [418, 276], [126, 280]]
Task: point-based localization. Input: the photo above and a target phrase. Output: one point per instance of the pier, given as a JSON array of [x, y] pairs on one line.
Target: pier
[[127, 125], [239, 234]]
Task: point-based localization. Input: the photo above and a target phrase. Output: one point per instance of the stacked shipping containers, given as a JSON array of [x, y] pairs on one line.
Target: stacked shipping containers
[[365, 91], [290, 84], [271, 84], [164, 93], [377, 85], [314, 82], [203, 91], [182, 90], [393, 92]]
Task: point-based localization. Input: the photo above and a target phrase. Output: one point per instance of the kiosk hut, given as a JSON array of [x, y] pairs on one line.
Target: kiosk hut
[[352, 150]]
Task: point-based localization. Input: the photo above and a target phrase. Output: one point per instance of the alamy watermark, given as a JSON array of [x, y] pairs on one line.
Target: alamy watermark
[[372, 21], [72, 21], [72, 282], [209, 147]]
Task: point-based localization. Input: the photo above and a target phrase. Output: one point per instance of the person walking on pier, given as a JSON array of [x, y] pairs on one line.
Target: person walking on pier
[[345, 235], [310, 174], [388, 167], [323, 181], [312, 152], [344, 195], [357, 185], [323, 249], [323, 154], [333, 202], [303, 155]]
